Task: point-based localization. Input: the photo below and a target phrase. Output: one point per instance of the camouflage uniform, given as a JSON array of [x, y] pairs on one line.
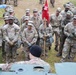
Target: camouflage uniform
[[11, 33], [56, 22], [29, 37], [70, 42], [36, 22], [27, 13], [62, 35], [43, 32]]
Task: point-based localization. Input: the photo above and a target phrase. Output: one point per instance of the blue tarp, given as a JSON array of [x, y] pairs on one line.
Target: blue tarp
[[66, 68], [3, 6]]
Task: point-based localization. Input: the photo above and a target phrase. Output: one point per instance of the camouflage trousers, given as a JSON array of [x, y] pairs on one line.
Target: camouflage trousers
[[26, 51], [10, 52], [69, 50], [57, 38], [46, 45]]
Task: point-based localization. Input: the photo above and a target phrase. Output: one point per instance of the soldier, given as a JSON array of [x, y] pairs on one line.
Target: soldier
[[3, 40], [34, 54], [45, 34], [24, 25], [62, 35], [56, 23], [11, 34], [36, 21], [16, 21], [70, 42], [26, 14], [63, 12], [41, 1], [29, 38], [52, 2]]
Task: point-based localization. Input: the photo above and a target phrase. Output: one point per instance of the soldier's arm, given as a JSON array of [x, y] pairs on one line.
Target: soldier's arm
[[66, 30], [5, 35], [17, 31], [24, 37], [35, 38], [50, 32]]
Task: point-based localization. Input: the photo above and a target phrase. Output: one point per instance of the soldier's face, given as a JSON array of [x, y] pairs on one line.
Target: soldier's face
[[68, 16], [6, 21], [74, 22], [29, 27], [10, 21], [35, 14]]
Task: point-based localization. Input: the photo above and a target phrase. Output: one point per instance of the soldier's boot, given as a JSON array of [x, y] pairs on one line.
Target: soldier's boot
[[59, 54], [56, 48], [63, 60]]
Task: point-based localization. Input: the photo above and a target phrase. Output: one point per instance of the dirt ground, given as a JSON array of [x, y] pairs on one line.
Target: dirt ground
[[31, 4]]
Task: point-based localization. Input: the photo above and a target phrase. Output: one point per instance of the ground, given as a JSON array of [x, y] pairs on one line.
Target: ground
[[31, 4]]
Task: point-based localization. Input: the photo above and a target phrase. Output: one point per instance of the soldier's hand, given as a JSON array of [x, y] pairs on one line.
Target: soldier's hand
[[11, 43], [71, 36]]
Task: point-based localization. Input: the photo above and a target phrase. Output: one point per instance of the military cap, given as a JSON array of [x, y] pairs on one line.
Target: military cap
[[30, 24], [69, 13], [11, 10], [26, 18], [27, 10], [59, 9], [67, 6], [35, 11], [6, 18], [11, 17]]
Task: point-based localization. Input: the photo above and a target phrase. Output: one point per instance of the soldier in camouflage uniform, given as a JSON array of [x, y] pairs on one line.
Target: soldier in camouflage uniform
[[70, 42], [64, 12], [56, 23], [62, 35], [29, 38], [16, 21], [27, 13], [34, 54], [41, 1], [25, 24], [11, 34], [36, 22], [2, 38], [45, 34]]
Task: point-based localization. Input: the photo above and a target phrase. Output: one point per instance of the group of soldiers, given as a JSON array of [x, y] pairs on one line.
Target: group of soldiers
[[31, 30]]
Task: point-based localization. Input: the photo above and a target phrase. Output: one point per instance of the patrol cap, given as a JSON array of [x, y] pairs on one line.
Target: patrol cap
[[35, 11], [67, 6], [27, 10], [11, 10], [30, 24], [59, 9], [6, 18], [11, 17], [26, 18], [69, 13], [74, 17]]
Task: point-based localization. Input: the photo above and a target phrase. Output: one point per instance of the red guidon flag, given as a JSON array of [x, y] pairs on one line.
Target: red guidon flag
[[45, 11]]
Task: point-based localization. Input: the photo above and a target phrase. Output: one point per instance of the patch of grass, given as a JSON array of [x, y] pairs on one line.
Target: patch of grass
[[73, 1], [1, 15]]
